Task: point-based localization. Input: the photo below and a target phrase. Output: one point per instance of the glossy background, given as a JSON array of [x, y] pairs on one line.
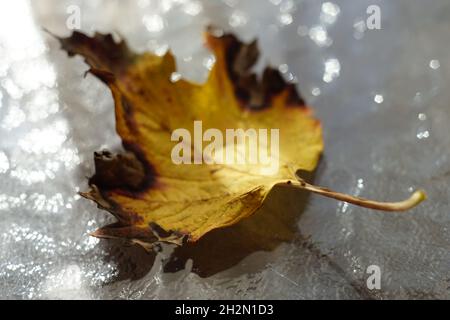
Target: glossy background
[[382, 95]]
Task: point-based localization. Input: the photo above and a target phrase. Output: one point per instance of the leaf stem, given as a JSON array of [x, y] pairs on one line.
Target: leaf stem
[[416, 198]]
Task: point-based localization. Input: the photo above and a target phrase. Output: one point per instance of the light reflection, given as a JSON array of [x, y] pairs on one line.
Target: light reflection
[[283, 68], [193, 8], [435, 64], [69, 157], [46, 140], [355, 191], [153, 22], [360, 184], [66, 284], [332, 70], [209, 62], [40, 242], [89, 243], [28, 176], [37, 202], [237, 19], [166, 5], [285, 19], [175, 76], [30, 87], [157, 48], [14, 118], [329, 13], [315, 91], [3, 66], [378, 98], [42, 104], [423, 134], [11, 88], [291, 78], [33, 74], [42, 202], [37, 148], [287, 6], [4, 162], [37, 168], [359, 29], [320, 36], [25, 42]]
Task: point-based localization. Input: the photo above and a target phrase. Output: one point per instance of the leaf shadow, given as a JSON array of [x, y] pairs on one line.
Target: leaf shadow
[[274, 223], [221, 249], [132, 262]]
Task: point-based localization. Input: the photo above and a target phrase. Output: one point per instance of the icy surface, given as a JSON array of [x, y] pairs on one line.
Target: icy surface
[[382, 95]]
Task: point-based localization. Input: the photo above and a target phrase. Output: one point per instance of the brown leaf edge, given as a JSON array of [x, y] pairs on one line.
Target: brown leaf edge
[[130, 172]]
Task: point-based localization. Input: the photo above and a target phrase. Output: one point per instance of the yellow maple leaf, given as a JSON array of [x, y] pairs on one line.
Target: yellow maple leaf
[[154, 198]]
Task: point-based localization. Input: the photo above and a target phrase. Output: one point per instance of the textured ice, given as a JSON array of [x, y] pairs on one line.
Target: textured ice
[[382, 95]]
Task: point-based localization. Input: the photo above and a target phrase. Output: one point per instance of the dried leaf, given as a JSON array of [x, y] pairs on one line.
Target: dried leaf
[[155, 200]]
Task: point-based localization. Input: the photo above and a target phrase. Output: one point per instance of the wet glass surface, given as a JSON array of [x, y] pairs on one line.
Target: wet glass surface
[[382, 96]]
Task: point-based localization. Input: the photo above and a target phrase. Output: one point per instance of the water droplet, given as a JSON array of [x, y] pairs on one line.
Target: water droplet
[[423, 134], [378, 98], [237, 19], [66, 284], [285, 19], [320, 36], [422, 116], [193, 8], [283, 68], [153, 22], [158, 49], [332, 70], [359, 29], [48, 139], [315, 91], [435, 64], [287, 6], [14, 118], [4, 162], [360, 184], [330, 12], [12, 89], [291, 78], [174, 77], [217, 32], [209, 62]]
